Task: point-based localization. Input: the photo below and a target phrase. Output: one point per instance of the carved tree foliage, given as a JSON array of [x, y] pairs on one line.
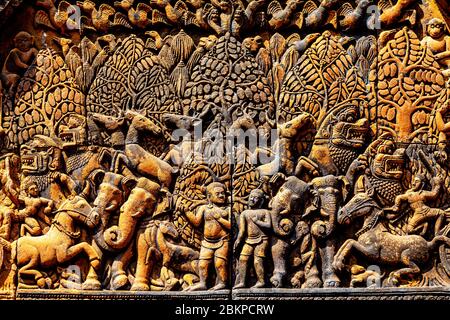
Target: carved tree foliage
[[323, 79], [133, 79], [228, 80], [190, 191], [45, 94], [408, 81], [441, 101]]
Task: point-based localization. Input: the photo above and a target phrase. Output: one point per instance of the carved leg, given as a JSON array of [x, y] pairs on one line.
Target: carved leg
[[341, 255], [259, 270], [38, 276], [91, 282], [305, 165], [279, 255], [411, 268], [242, 272], [119, 277], [329, 277], [370, 252], [221, 266], [32, 262], [144, 266], [312, 278], [203, 266], [174, 157], [31, 227]]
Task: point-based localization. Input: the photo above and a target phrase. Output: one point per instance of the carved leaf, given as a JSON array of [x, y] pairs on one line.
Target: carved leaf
[[133, 79], [408, 80], [323, 78], [46, 93]]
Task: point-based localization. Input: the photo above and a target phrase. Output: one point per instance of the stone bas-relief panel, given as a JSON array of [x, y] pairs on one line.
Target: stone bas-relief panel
[[204, 147]]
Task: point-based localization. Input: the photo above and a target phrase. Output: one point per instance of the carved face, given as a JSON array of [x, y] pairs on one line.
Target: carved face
[[253, 44], [33, 190], [142, 123], [292, 128], [40, 155], [387, 163], [72, 132], [23, 41], [169, 229], [436, 28], [348, 131], [110, 195], [180, 121], [207, 42], [417, 183], [255, 199], [83, 210], [138, 203], [285, 201], [217, 195], [223, 5], [109, 122], [360, 205]]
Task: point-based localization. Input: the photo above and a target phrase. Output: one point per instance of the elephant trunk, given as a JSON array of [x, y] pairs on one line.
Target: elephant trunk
[[118, 237], [329, 207], [99, 234], [281, 226], [99, 239], [138, 204]]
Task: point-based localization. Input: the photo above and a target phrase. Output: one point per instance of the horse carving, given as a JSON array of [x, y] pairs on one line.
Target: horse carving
[[141, 160], [378, 245], [59, 245]]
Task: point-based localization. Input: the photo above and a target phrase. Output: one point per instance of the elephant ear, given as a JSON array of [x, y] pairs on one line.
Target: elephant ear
[[118, 162], [87, 189], [276, 182], [153, 255], [128, 184], [106, 159], [96, 176]]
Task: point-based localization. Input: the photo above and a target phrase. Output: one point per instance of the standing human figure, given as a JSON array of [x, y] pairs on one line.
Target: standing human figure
[[215, 217], [254, 224]]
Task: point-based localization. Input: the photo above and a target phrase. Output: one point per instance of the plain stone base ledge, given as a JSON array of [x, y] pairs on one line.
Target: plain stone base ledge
[[429, 293], [337, 294], [36, 294]]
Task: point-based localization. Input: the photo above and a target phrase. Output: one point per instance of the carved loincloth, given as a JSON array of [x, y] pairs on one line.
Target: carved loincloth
[[214, 243]]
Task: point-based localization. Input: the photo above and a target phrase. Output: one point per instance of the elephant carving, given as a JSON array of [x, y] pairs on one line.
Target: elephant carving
[[328, 194], [135, 214], [288, 201], [112, 189]]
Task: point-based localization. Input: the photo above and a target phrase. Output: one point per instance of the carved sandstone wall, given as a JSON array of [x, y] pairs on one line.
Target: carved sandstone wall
[[221, 145]]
